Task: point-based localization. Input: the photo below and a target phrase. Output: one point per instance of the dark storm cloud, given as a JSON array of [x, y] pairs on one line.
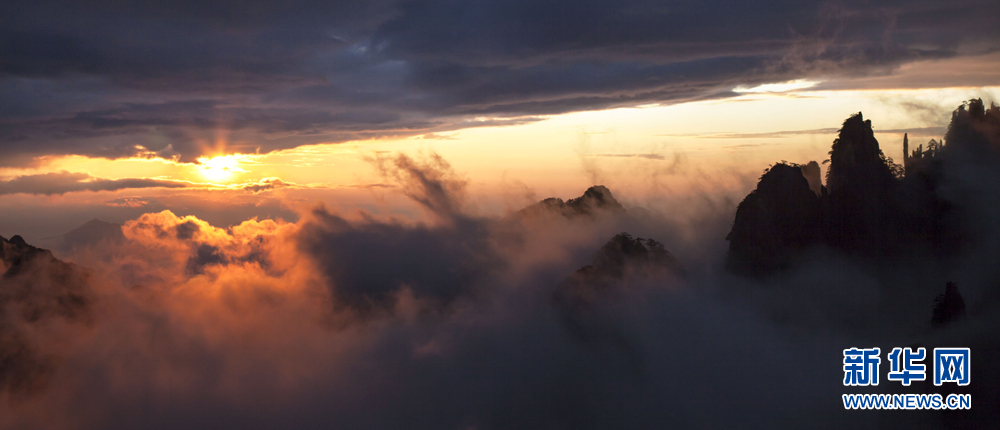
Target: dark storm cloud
[[163, 78], [66, 182]]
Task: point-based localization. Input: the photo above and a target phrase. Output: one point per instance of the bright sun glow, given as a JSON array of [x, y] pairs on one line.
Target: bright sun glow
[[779, 87], [221, 168]]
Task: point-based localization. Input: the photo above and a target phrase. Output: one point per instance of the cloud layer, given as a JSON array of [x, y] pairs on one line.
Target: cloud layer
[[56, 183], [464, 321], [173, 79]]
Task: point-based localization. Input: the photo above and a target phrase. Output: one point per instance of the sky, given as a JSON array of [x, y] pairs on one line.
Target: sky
[[153, 100], [322, 208]]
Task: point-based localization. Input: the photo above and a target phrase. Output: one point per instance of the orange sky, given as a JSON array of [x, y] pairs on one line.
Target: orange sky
[[652, 156]]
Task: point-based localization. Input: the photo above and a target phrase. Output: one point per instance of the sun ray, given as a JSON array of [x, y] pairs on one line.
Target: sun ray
[[222, 168]]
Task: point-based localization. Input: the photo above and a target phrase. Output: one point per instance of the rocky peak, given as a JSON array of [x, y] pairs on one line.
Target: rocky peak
[[623, 250], [596, 200], [596, 197], [621, 259], [855, 158], [16, 252], [975, 128]]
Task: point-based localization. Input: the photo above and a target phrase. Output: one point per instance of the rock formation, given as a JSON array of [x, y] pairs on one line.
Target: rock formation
[[780, 217], [34, 289], [595, 201]]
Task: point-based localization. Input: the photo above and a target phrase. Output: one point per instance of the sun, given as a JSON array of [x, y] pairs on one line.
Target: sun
[[221, 168]]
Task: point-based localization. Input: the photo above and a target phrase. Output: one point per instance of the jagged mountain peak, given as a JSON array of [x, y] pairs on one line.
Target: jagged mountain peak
[[855, 157], [16, 253], [595, 200]]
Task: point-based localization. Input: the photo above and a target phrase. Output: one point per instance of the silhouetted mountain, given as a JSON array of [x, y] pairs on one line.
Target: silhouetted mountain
[[973, 135], [861, 182], [975, 129], [948, 306], [895, 235], [623, 253], [870, 207], [15, 253], [594, 201], [855, 158], [622, 259], [34, 288], [925, 218], [93, 232], [780, 217], [40, 283], [582, 299]]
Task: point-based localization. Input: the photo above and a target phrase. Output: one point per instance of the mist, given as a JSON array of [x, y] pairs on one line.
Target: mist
[[545, 317]]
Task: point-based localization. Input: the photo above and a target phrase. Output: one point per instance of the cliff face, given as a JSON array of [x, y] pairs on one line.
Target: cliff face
[[861, 185], [781, 216]]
